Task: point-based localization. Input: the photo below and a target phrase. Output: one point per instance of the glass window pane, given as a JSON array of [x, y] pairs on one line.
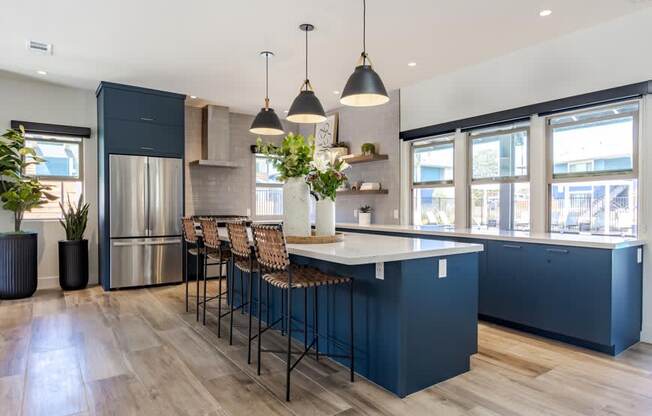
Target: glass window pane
[[500, 155], [63, 190], [434, 206], [61, 158], [269, 201], [597, 146], [598, 207], [487, 200], [266, 172], [433, 163]]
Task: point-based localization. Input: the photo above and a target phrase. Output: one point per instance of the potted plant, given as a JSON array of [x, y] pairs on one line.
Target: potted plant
[[73, 251], [19, 193], [364, 215], [292, 160], [324, 179]]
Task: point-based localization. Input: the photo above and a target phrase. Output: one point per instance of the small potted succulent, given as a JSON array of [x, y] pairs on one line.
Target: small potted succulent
[[325, 178], [19, 193], [364, 215], [73, 251]]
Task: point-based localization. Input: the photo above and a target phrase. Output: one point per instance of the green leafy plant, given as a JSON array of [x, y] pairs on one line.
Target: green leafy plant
[[326, 177], [19, 193], [368, 148], [74, 219], [365, 209], [292, 157]]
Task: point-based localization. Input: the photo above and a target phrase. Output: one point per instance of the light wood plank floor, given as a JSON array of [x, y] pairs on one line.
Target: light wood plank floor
[[137, 352]]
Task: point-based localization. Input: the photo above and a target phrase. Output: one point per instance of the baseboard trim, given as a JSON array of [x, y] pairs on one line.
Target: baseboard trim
[[48, 282]]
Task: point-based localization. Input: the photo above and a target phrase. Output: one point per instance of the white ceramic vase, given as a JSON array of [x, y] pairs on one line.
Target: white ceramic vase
[[296, 207], [364, 218], [325, 212]]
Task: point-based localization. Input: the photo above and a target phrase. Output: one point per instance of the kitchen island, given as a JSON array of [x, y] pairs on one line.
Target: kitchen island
[[415, 306]]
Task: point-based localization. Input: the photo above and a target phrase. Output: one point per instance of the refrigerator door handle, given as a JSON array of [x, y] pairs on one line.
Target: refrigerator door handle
[[127, 243], [145, 243], [146, 198]]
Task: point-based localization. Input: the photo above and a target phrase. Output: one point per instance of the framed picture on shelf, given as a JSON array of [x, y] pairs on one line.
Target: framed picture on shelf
[[326, 133]]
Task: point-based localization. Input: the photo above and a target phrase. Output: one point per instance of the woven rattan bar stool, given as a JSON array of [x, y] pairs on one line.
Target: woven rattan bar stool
[[219, 254], [276, 270]]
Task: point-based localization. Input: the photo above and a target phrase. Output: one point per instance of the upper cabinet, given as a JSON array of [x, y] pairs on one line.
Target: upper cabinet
[[140, 121]]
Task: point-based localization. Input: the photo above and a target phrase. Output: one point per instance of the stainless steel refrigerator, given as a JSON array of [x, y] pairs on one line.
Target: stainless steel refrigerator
[[146, 204]]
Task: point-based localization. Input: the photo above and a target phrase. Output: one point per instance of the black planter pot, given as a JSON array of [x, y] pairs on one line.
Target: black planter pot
[[18, 265], [73, 264]]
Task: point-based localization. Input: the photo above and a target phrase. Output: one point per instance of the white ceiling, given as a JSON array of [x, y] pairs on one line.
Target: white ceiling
[[209, 48]]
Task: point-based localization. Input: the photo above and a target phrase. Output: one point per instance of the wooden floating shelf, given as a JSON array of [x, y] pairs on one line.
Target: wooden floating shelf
[[376, 192], [364, 158]]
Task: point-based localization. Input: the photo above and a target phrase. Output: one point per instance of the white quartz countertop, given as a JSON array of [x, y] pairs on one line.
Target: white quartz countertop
[[577, 240], [356, 248]]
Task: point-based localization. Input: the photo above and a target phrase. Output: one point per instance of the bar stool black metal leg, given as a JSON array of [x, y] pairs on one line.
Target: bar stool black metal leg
[[266, 300], [282, 312], [204, 303], [351, 328], [289, 352], [185, 271], [251, 282], [231, 297], [242, 292], [315, 324], [260, 313], [219, 301], [197, 278]]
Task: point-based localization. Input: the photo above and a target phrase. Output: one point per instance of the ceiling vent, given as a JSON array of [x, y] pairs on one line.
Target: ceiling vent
[[39, 47]]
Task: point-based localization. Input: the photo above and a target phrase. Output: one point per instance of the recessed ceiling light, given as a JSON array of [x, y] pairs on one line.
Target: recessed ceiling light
[[412, 64], [544, 13], [286, 111], [41, 72], [336, 92], [193, 96]]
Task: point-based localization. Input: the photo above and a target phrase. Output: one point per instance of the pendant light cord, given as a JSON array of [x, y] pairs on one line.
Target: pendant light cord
[[307, 83], [364, 31], [267, 80]]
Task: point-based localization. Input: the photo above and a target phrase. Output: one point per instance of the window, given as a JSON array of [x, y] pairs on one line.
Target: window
[[499, 176], [593, 170], [433, 192], [269, 190], [62, 171]]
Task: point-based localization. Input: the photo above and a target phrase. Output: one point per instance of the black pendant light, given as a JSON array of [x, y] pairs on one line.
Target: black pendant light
[[306, 108], [266, 122], [364, 87]]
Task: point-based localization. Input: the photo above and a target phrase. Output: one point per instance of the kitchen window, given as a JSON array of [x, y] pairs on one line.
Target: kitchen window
[[62, 170], [269, 189], [499, 178], [433, 191], [592, 170]]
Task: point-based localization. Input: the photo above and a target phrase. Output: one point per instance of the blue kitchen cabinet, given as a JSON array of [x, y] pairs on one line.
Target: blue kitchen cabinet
[[125, 102], [142, 138], [591, 297]]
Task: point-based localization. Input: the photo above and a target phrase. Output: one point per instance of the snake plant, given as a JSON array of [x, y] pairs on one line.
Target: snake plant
[[74, 219]]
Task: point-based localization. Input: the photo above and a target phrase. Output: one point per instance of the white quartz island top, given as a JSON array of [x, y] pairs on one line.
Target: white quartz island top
[[577, 240], [356, 248]]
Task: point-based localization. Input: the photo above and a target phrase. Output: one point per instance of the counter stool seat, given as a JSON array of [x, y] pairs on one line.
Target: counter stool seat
[[243, 264], [223, 254], [303, 277]]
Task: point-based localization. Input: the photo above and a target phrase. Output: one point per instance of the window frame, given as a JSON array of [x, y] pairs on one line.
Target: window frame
[[507, 128], [570, 177], [592, 176], [54, 178], [256, 184], [426, 142]]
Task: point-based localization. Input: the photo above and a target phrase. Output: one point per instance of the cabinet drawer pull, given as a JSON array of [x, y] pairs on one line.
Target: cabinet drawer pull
[[147, 118], [147, 148], [557, 250], [514, 246]]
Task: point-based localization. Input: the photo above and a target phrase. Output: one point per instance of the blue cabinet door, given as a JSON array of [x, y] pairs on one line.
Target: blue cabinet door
[[143, 107], [503, 288], [141, 138], [573, 285]]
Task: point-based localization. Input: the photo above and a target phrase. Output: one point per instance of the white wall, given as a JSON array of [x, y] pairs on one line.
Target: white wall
[[30, 99], [604, 56]]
